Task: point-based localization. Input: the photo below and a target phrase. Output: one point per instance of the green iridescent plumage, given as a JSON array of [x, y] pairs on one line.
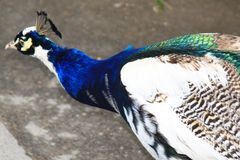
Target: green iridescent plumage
[[198, 42], [226, 47], [233, 58]]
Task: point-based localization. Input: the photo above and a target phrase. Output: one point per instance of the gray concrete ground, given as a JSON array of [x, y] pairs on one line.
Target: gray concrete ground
[[39, 121]]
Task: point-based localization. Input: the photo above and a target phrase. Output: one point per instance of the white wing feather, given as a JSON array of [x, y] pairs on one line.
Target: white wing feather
[[146, 78]]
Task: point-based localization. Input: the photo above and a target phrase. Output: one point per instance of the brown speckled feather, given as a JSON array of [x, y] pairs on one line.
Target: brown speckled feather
[[213, 112], [191, 87], [227, 42]]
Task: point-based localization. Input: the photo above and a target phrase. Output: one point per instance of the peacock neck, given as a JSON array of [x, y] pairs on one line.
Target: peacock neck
[[90, 81]]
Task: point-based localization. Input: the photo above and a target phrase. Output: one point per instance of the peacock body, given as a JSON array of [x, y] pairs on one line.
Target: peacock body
[[181, 97]]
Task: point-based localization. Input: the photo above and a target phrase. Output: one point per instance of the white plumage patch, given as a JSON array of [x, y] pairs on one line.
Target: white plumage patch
[[29, 29], [146, 77], [42, 55], [144, 138], [160, 86]]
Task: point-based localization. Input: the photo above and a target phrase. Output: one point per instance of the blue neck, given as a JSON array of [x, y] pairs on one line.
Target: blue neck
[[93, 82]]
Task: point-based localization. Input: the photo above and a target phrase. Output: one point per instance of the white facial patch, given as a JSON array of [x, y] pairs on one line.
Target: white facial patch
[[26, 44]]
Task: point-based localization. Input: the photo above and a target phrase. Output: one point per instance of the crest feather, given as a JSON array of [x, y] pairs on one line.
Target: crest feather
[[45, 26]]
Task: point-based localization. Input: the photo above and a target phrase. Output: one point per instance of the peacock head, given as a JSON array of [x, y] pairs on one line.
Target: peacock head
[[27, 40]]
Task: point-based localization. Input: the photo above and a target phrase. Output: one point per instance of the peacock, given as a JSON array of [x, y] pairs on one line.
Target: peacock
[[180, 97]]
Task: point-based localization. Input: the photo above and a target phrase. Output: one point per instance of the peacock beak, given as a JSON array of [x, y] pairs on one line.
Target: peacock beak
[[10, 45]]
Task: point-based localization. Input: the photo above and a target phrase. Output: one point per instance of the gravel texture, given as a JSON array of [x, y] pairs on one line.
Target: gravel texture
[[44, 122]]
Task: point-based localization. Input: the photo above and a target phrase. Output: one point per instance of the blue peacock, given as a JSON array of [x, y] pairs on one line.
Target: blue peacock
[[181, 97]]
